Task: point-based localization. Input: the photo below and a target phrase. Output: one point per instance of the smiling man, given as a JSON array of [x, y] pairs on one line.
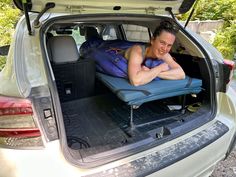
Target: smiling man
[[158, 49]]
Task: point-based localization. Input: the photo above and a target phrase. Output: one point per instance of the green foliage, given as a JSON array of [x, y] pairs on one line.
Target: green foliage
[[8, 17], [213, 10], [2, 62], [225, 40]]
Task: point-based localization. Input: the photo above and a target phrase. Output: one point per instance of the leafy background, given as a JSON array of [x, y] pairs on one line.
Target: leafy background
[[225, 40], [8, 18]]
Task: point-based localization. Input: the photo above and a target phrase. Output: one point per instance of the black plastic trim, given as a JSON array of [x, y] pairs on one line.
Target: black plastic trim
[[19, 5], [160, 159], [224, 77], [26, 12], [47, 7], [185, 6], [44, 110]]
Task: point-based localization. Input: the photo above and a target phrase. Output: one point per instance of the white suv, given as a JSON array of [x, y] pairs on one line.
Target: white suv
[[60, 116]]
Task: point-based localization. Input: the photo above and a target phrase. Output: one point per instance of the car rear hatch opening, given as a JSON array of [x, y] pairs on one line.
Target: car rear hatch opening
[[96, 121]]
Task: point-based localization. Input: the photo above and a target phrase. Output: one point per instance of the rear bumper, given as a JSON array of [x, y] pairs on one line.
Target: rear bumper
[[194, 155], [188, 152]]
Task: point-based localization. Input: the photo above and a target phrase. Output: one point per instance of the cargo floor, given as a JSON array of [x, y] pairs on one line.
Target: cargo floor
[[103, 121]]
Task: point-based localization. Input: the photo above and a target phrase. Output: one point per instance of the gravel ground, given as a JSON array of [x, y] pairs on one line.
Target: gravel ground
[[227, 167]]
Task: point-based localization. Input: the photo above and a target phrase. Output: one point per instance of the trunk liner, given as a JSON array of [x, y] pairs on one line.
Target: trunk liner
[[103, 121]]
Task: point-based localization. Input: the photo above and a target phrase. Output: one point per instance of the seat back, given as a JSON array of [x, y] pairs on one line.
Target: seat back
[[92, 40], [90, 33], [63, 49], [74, 77]]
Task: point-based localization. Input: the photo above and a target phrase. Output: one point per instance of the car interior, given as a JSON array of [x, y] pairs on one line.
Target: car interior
[[103, 113]]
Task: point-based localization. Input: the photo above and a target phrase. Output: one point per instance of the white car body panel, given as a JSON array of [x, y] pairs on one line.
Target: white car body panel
[[93, 6], [23, 72], [50, 161], [27, 63]]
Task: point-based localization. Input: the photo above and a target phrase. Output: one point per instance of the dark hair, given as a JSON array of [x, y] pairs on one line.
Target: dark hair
[[165, 26]]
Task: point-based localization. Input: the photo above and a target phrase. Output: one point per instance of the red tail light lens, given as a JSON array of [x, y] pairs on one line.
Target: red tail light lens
[[25, 133], [17, 126]]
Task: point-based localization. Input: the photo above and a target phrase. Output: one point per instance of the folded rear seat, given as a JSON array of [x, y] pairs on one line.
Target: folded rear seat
[[75, 77]]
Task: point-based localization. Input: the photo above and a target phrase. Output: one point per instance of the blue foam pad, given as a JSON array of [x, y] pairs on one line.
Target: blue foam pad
[[157, 89]]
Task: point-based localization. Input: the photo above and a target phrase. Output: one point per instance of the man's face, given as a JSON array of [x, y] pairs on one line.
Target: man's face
[[163, 43]]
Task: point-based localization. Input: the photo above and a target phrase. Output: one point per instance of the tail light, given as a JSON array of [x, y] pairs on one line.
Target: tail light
[[231, 66], [224, 74], [17, 126]]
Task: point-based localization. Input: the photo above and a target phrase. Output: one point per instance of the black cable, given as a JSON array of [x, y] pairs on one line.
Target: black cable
[[82, 143]]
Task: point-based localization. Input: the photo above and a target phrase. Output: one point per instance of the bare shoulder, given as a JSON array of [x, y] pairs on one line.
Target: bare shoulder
[[167, 58], [134, 51], [136, 48]]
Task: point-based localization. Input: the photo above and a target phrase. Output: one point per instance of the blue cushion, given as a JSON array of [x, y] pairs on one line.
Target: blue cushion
[[157, 89]]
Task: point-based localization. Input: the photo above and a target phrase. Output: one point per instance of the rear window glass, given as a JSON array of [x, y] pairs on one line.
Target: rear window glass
[[136, 33], [109, 33], [79, 39]]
